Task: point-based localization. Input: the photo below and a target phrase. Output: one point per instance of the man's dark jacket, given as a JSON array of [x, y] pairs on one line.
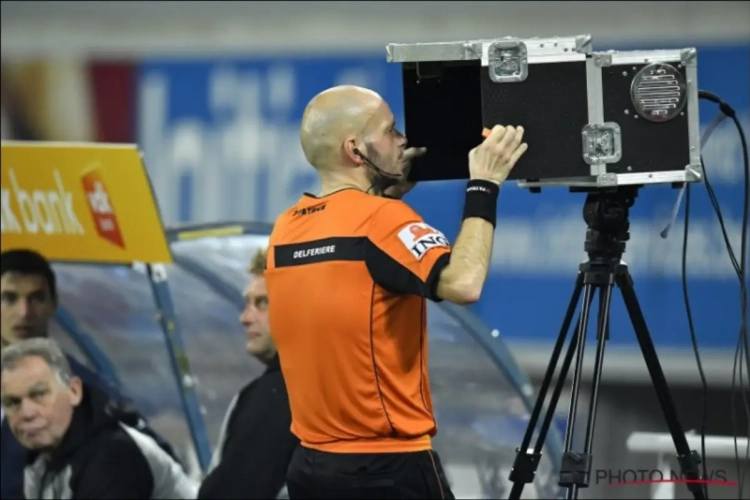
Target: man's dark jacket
[[104, 456], [13, 456], [256, 443]]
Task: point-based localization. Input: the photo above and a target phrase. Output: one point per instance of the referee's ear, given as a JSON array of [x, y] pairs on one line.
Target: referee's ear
[[353, 152]]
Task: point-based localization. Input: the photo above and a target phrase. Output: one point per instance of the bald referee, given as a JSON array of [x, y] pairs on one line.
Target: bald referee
[[348, 274]]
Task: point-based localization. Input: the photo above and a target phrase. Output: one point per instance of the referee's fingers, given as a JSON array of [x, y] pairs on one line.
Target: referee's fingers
[[495, 135], [414, 153]]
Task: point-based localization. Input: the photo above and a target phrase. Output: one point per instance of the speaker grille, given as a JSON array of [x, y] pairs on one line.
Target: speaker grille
[[658, 92]]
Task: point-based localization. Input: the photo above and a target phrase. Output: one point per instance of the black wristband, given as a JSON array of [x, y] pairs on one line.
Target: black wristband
[[481, 200]]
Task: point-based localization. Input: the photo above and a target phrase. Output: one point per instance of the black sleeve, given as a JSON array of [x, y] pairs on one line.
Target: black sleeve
[[395, 277], [116, 470], [255, 460], [129, 414]]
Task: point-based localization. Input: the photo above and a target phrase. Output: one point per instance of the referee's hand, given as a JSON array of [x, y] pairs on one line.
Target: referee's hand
[[409, 156], [404, 186], [495, 157]]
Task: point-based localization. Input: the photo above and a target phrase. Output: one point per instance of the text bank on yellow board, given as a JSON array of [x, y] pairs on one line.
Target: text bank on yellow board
[[80, 203]]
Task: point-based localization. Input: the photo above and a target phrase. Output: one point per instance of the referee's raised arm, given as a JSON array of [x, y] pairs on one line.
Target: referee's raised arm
[[411, 257], [348, 272], [489, 164]]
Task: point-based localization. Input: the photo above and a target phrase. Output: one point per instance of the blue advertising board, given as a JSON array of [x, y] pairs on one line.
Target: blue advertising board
[[220, 139]]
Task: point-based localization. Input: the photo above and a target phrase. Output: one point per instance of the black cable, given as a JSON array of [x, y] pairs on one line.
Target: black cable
[[738, 271], [741, 269], [743, 341], [693, 339], [743, 265]]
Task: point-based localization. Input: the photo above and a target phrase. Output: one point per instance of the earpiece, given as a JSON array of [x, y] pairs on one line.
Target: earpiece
[[359, 155]]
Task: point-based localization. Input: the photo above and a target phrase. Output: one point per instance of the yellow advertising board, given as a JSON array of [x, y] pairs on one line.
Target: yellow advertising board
[[80, 203]]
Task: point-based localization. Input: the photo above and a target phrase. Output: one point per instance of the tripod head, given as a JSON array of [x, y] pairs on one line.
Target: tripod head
[[607, 216]]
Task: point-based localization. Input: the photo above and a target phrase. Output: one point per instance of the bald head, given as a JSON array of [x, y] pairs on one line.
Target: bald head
[[330, 117]]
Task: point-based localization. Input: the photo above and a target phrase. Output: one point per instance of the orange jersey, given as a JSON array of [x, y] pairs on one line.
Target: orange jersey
[[348, 276]]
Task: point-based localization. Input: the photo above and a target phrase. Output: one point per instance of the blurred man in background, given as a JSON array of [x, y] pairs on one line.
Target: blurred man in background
[[28, 301], [256, 443], [78, 442], [348, 276]]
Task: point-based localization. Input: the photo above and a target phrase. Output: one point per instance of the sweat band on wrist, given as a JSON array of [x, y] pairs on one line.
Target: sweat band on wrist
[[481, 200]]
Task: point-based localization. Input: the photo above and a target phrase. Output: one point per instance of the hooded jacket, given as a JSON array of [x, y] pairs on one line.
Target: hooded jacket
[[13, 455], [104, 456]]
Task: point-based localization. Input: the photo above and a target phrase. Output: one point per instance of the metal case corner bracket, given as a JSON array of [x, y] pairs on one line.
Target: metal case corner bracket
[[606, 180], [689, 56], [602, 59], [583, 44]]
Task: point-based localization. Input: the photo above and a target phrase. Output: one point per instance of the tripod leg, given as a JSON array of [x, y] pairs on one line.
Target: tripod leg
[[602, 334], [571, 462], [525, 464], [688, 459], [553, 363], [581, 341], [602, 337], [572, 350]]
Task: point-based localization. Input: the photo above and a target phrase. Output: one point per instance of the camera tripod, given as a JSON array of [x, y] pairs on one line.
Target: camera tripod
[[606, 214]]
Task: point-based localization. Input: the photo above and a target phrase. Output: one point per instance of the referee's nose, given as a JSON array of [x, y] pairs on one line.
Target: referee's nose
[[402, 141]]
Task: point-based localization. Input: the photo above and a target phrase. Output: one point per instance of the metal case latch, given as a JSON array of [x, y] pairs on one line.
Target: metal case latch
[[602, 143], [508, 61]]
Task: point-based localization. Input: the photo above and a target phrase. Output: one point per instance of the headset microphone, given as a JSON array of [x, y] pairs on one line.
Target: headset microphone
[[375, 167], [384, 179]]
